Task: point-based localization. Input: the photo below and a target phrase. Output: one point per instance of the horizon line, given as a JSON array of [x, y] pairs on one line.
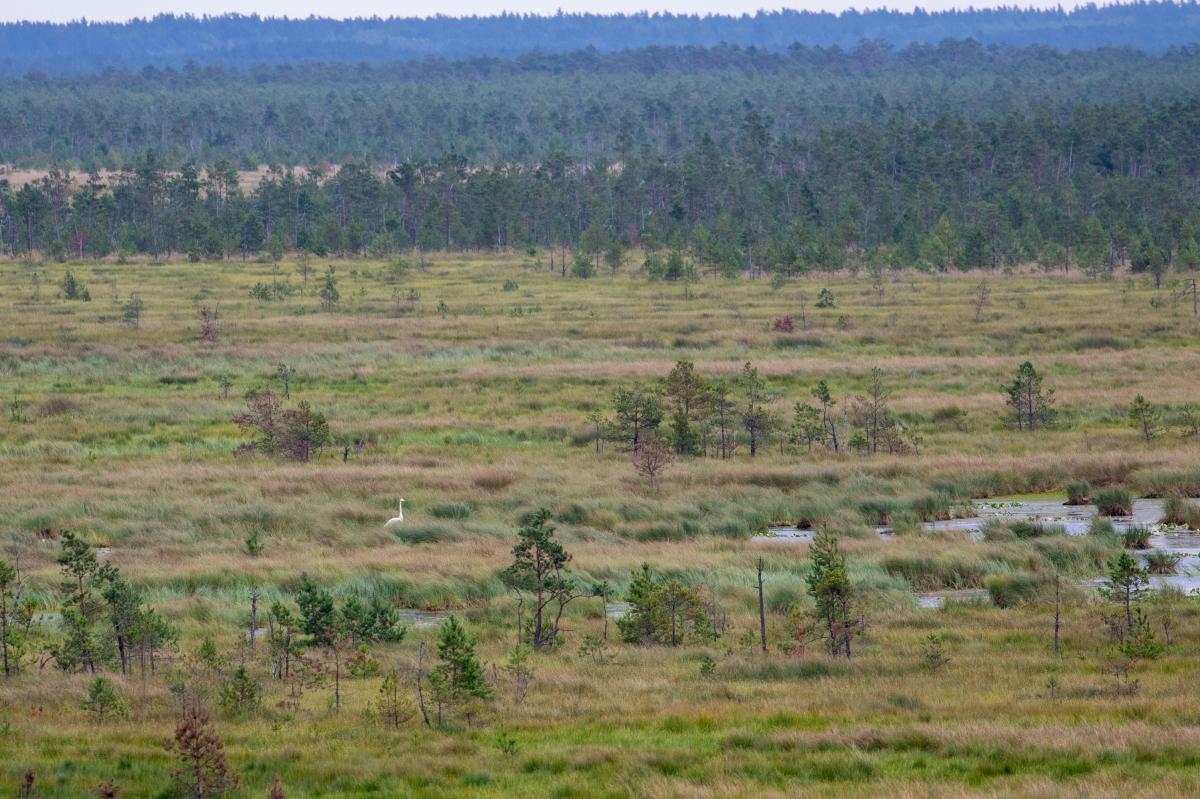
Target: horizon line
[[1052, 6]]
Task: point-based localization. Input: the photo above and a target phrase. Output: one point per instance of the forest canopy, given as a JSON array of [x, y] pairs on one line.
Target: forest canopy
[[586, 103]]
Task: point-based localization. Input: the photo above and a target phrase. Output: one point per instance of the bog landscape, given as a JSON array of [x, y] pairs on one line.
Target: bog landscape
[[703, 420]]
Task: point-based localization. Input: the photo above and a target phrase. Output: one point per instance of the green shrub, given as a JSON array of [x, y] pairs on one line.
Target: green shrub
[[1114, 502]]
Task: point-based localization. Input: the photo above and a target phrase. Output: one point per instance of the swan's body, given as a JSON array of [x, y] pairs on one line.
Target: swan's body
[[399, 517]]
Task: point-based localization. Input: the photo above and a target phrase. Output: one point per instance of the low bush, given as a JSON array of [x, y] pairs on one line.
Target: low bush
[[59, 406]]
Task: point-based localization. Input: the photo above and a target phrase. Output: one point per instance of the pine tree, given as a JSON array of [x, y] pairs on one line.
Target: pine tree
[[241, 695], [458, 677], [1140, 642], [391, 706], [330, 297], [663, 611], [1144, 416], [317, 611], [756, 419], [824, 396], [102, 699], [539, 567], [1032, 406], [203, 772], [637, 413], [686, 391], [81, 646], [1126, 585], [829, 586], [9, 607], [807, 427]]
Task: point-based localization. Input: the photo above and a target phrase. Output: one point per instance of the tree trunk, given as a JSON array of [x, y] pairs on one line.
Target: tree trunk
[[1057, 610], [762, 613]]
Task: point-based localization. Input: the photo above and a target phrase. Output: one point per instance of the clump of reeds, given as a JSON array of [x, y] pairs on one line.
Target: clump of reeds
[[1114, 502], [1136, 536], [1178, 512], [1079, 493]]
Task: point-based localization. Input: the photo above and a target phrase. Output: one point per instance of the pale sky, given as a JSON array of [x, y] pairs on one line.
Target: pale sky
[[64, 10]]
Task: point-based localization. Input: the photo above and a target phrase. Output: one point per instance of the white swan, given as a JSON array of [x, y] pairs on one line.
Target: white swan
[[399, 517]]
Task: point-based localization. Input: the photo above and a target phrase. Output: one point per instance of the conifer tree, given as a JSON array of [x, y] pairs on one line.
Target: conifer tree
[[829, 586]]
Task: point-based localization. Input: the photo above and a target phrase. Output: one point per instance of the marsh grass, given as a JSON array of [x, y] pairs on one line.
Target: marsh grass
[[477, 416]]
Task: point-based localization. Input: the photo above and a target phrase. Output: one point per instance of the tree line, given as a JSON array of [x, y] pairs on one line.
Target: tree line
[[1107, 187], [167, 39]]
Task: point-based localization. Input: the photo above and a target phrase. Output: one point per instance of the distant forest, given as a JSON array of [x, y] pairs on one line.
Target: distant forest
[[778, 158], [247, 41], [587, 104]]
